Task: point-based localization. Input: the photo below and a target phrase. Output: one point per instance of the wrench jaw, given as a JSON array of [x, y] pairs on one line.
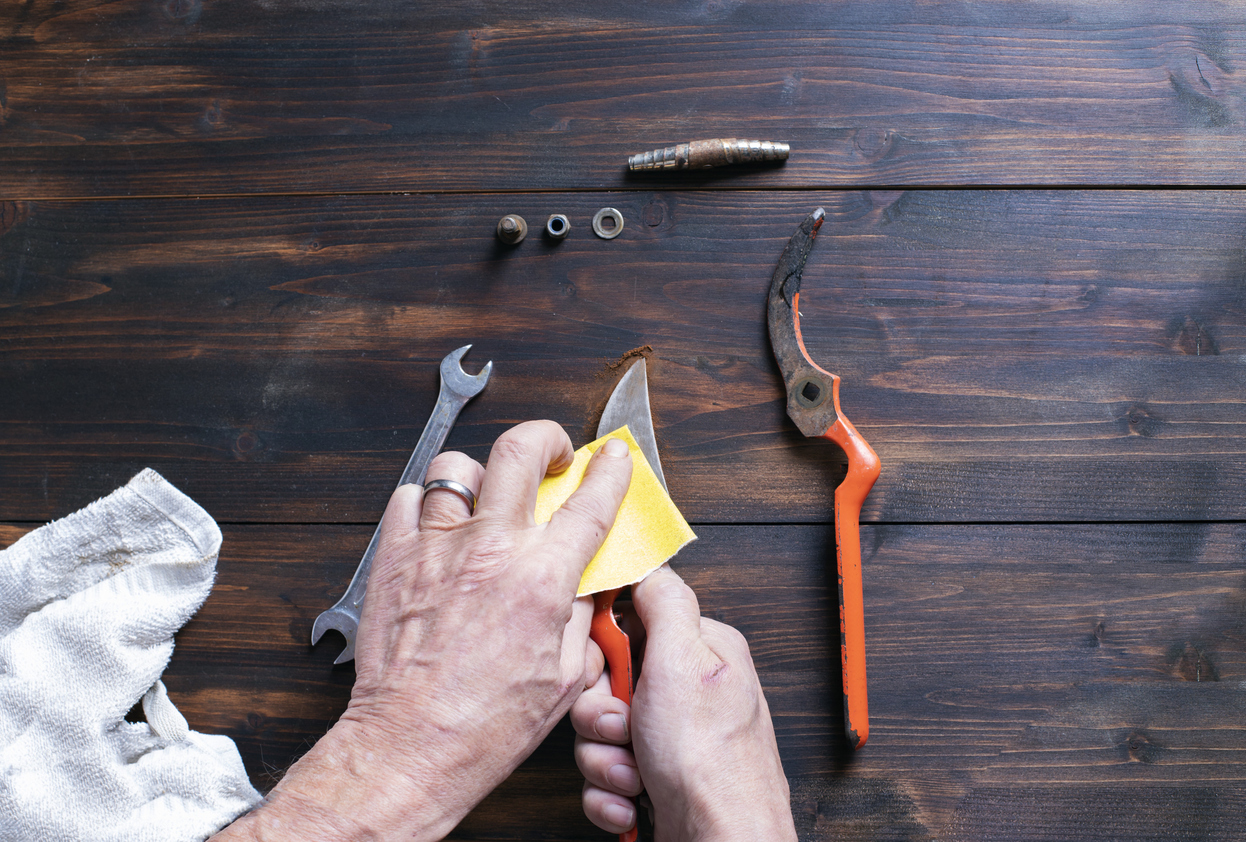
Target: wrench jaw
[[458, 381], [338, 620]]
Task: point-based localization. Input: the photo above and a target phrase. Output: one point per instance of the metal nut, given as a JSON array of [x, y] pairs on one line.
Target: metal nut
[[616, 223], [512, 229], [557, 226]]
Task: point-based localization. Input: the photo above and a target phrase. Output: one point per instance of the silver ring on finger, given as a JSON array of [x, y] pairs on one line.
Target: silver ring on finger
[[456, 487]]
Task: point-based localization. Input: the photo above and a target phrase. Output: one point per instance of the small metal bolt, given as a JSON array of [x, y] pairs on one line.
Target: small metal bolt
[[512, 229], [557, 226]]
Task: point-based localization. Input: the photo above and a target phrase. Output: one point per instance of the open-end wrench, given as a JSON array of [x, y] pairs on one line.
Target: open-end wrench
[[457, 388]]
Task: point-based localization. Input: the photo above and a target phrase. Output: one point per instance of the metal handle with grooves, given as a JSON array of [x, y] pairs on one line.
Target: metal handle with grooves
[[703, 154]]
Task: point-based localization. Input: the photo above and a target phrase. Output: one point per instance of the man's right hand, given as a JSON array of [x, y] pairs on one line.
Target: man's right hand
[[702, 743]]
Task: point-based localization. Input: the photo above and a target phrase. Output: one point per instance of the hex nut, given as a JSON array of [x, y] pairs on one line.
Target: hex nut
[[557, 226], [616, 227], [512, 229]]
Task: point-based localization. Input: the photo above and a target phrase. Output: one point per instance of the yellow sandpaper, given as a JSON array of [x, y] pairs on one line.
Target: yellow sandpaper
[[648, 529]]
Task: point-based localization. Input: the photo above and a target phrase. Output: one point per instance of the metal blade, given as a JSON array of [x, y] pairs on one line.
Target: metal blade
[[812, 402], [629, 404]]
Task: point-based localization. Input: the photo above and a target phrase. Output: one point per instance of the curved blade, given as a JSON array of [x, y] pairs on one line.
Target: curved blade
[[629, 404], [810, 388]]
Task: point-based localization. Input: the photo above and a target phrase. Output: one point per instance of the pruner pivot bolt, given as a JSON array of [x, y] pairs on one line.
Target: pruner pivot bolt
[[512, 229], [703, 154]]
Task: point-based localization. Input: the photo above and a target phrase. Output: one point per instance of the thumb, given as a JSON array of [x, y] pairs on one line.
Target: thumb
[[667, 606], [580, 525]]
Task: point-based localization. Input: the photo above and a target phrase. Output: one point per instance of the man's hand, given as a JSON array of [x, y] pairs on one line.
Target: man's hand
[[471, 647], [702, 742]]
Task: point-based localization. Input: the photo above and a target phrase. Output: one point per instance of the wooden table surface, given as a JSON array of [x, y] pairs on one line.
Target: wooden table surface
[[236, 237]]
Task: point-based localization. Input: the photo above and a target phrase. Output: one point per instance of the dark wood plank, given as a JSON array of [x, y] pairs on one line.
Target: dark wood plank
[[1072, 682], [189, 98], [1012, 355]]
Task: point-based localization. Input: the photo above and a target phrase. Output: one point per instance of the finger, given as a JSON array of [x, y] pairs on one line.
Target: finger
[[402, 513], [519, 460], [667, 606], [443, 507], [580, 525], [594, 662], [598, 715], [610, 812], [612, 768], [575, 641]]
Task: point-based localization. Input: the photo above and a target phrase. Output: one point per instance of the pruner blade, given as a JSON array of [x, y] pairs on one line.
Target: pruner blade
[[813, 404]]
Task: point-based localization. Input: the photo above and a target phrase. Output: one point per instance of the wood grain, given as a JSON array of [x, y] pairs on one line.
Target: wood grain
[[236, 238], [189, 98], [1011, 355], [1079, 682]]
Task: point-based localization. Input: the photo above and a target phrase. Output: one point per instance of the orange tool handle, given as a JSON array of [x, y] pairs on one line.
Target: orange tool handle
[[617, 648], [863, 469]]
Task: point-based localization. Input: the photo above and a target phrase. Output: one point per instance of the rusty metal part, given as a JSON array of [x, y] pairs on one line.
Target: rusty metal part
[[703, 154], [813, 404], [512, 229], [599, 223], [557, 226]]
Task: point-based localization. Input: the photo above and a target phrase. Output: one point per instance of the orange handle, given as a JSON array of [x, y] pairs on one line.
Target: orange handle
[[617, 648], [863, 468]]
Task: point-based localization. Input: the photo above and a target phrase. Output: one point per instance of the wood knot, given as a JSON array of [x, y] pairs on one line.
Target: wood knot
[[872, 143], [11, 213], [1201, 83], [1098, 633], [1190, 663], [247, 446], [1140, 749], [212, 117], [1186, 335], [655, 213], [183, 11], [1141, 422], [1090, 295]]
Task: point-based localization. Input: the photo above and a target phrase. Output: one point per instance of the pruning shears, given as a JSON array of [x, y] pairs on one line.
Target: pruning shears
[[813, 404]]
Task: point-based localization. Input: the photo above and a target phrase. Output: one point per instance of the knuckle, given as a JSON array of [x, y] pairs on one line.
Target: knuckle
[[592, 512], [732, 638], [730, 643], [513, 445], [484, 560], [528, 438], [450, 463], [545, 590], [582, 754], [735, 637], [569, 686], [674, 589], [582, 718]]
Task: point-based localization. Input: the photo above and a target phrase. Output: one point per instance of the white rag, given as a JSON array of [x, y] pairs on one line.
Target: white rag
[[88, 608]]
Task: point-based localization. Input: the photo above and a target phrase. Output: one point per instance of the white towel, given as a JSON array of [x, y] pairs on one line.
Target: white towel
[[88, 608]]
